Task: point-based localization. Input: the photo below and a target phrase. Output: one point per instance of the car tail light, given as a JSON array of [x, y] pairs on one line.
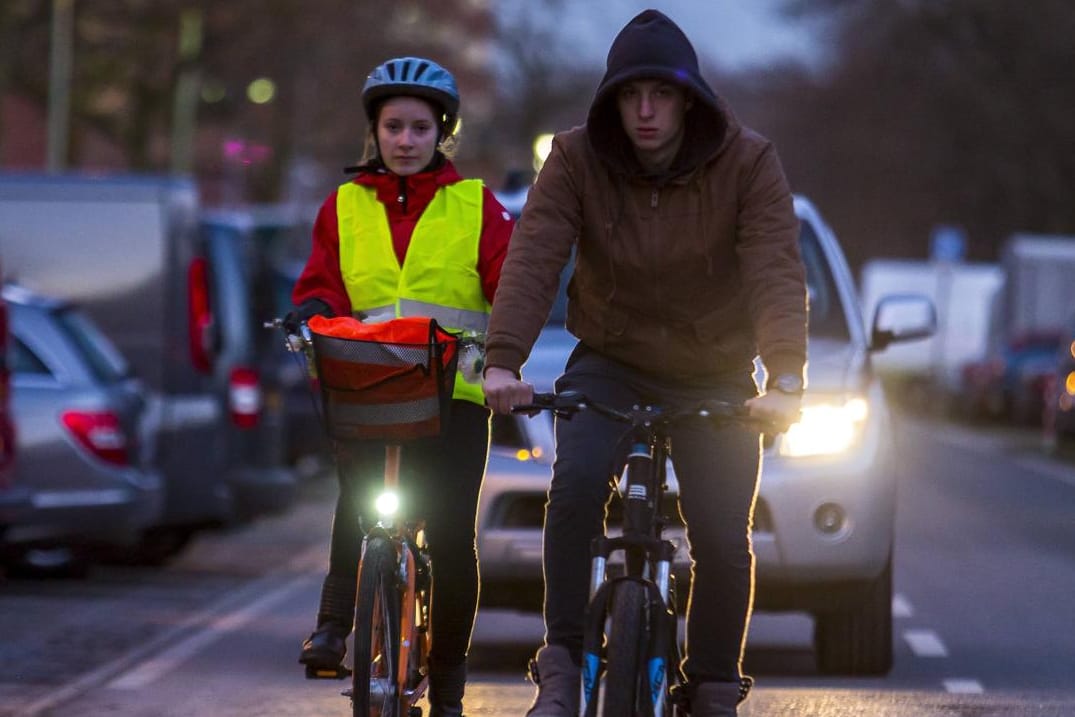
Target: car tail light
[[100, 433], [200, 315], [244, 397]]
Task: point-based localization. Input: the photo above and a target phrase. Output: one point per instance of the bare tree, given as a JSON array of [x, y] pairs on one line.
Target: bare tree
[[934, 111], [544, 88]]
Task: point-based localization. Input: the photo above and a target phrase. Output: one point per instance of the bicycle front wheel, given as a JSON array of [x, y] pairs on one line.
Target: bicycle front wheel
[[375, 680], [626, 643]]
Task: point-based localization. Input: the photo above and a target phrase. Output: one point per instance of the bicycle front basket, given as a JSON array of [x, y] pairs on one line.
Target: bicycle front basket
[[390, 381]]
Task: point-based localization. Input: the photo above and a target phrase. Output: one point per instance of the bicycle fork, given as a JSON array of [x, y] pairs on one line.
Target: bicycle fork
[[648, 559]]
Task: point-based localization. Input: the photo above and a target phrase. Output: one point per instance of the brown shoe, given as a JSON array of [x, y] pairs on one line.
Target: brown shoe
[[559, 681], [719, 699]]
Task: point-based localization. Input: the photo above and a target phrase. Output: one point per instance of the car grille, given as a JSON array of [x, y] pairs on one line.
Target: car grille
[[528, 511]]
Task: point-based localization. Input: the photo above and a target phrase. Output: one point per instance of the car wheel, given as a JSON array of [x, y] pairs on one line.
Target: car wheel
[[1065, 446], [858, 640], [159, 545], [59, 562]]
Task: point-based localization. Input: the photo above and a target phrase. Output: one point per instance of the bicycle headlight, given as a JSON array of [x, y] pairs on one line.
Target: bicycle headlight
[[828, 426], [387, 504]]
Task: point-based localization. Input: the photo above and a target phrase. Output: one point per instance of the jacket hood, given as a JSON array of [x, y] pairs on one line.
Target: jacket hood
[[652, 46]]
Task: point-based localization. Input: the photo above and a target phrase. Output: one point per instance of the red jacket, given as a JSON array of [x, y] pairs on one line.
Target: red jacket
[[405, 198]]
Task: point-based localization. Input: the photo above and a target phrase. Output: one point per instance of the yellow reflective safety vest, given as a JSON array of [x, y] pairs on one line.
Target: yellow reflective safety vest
[[439, 277]]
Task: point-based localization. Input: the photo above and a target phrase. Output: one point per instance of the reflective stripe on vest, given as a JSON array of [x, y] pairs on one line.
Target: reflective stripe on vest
[[439, 277], [386, 414]]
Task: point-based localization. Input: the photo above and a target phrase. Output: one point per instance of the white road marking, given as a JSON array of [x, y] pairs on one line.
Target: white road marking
[[1056, 471], [963, 686], [925, 643], [167, 661], [901, 607], [985, 443], [311, 564]]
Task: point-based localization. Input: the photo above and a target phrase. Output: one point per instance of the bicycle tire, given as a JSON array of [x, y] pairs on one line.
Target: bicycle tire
[[414, 642], [627, 638], [375, 676]]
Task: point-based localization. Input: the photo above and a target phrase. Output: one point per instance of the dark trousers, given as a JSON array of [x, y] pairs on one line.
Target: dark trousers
[[717, 471], [440, 480]]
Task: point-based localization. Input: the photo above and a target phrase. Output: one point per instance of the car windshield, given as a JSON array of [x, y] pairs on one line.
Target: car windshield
[[102, 359], [24, 361], [826, 312], [827, 319]]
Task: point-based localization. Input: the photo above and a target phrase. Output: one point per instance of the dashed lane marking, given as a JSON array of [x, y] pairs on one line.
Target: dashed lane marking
[[901, 607], [963, 686], [925, 643]]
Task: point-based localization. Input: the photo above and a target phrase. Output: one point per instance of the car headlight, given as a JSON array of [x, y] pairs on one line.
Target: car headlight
[[828, 426]]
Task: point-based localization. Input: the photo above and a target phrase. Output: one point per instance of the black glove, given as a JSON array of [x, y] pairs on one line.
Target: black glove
[[309, 308]]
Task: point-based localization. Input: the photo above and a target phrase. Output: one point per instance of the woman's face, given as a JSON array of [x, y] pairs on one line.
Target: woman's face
[[406, 134]]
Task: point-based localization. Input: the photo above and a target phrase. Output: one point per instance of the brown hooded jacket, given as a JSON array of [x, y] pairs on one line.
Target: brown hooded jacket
[[688, 274]]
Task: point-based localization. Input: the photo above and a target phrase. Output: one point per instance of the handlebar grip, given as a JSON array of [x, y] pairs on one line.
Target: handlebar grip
[[563, 404]]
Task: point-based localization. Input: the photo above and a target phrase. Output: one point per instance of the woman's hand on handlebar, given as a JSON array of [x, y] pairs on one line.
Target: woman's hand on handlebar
[[503, 390], [781, 409]]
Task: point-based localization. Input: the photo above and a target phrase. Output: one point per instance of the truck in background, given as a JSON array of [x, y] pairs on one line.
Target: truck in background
[[127, 249], [1029, 321]]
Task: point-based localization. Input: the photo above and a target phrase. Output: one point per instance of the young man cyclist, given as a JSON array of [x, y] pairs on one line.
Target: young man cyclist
[[687, 266], [408, 236]]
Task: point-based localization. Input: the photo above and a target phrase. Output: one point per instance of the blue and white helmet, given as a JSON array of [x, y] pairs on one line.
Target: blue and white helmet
[[414, 77]]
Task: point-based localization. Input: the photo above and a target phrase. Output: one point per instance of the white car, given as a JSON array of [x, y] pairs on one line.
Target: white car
[[825, 516]]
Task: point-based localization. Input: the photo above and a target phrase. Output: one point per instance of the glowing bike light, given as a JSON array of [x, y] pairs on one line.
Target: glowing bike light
[[387, 504]]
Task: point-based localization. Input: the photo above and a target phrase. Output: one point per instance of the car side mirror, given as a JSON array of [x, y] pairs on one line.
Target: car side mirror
[[902, 317]]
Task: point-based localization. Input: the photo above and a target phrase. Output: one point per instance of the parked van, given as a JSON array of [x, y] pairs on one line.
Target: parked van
[[242, 245], [127, 250], [275, 241]]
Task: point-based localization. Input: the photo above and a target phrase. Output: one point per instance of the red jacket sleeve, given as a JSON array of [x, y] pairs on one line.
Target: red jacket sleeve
[[493, 247], [321, 278]]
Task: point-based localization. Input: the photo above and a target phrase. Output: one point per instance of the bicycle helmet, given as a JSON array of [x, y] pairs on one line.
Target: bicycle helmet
[[415, 77]]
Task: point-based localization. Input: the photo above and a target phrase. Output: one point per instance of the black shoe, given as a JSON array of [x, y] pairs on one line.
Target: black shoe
[[325, 648]]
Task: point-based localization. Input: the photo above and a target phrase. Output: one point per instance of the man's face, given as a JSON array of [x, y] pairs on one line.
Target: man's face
[[652, 114]]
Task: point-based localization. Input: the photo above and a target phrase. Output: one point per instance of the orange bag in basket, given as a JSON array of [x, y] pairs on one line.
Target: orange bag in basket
[[383, 379]]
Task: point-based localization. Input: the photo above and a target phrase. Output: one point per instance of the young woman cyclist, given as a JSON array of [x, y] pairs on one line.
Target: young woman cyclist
[[408, 236]]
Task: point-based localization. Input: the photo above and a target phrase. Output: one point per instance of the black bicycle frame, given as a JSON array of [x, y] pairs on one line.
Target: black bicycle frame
[[647, 556], [647, 559]]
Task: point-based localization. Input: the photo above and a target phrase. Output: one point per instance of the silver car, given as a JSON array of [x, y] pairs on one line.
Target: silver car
[[824, 520], [81, 427]]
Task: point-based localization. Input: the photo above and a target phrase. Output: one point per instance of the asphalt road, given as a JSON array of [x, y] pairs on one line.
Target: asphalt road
[[984, 614]]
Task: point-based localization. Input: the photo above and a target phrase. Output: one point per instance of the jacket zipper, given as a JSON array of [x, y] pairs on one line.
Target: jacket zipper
[[653, 199], [402, 198]]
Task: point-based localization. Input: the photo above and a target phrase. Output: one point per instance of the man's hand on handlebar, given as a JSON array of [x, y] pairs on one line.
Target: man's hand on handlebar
[[503, 390], [782, 409]]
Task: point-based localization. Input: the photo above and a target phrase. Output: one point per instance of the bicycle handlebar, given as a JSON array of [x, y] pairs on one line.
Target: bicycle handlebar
[[568, 403]]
